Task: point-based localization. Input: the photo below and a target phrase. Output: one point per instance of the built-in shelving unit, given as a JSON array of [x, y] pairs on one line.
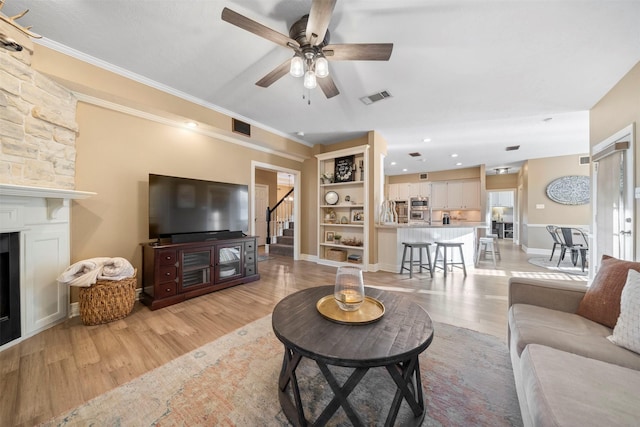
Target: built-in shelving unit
[[343, 207]]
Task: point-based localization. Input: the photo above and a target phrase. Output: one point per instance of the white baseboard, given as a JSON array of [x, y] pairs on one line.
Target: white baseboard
[[74, 307]]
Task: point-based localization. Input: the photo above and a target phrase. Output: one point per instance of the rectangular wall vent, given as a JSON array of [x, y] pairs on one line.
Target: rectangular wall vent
[[415, 154], [368, 100], [513, 148], [241, 127], [584, 160], [423, 176]]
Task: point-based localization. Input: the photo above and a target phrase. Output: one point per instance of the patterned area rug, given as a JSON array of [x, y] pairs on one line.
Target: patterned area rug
[[466, 376], [566, 266]]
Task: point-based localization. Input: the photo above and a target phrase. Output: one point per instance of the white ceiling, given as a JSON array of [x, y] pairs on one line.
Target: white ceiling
[[473, 76]]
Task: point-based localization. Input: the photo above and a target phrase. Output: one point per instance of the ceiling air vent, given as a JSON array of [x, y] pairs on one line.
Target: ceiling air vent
[[423, 176], [513, 148], [416, 154], [368, 100], [584, 160], [241, 127]]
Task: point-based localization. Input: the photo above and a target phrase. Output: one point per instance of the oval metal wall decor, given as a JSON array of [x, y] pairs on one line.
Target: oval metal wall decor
[[570, 190]]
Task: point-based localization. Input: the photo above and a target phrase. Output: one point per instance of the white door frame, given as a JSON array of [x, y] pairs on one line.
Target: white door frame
[[626, 134], [296, 200], [262, 239]]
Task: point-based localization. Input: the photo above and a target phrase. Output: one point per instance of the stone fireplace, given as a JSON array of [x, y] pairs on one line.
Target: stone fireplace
[[37, 179]]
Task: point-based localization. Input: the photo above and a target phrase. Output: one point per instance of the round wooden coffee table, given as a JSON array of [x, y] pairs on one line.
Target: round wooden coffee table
[[392, 342]]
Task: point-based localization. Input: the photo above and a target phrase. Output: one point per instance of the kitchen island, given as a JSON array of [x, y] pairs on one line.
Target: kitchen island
[[391, 236]]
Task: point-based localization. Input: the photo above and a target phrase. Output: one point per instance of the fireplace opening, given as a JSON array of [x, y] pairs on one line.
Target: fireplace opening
[[9, 287]]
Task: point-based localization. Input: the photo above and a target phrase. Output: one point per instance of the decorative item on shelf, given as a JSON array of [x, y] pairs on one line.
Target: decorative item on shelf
[[357, 215], [361, 167], [354, 258], [349, 288], [570, 190], [336, 238], [327, 178], [329, 236], [347, 198], [336, 254], [344, 168], [330, 216], [331, 198], [352, 241], [388, 214], [344, 220]]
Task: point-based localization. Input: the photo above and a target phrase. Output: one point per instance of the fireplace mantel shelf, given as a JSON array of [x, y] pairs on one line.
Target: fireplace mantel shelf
[[56, 197], [47, 193]]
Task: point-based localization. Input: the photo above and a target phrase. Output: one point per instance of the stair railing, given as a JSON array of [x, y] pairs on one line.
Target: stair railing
[[279, 216]]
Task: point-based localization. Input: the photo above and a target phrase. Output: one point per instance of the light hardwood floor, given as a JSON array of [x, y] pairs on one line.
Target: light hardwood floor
[[70, 363]]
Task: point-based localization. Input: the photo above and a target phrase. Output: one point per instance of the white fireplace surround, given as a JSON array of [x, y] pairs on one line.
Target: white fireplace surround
[[42, 217]]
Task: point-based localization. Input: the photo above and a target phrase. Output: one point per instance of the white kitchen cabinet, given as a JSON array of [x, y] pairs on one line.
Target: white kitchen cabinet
[[439, 195], [392, 191]]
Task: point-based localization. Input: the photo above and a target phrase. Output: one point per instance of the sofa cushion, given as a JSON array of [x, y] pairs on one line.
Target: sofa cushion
[[627, 330], [601, 303], [564, 389], [530, 324]]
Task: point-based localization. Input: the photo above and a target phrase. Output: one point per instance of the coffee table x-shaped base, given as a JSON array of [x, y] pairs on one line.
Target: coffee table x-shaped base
[[405, 374]]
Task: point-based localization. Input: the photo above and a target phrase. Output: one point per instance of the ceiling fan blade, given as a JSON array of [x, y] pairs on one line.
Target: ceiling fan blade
[[254, 27], [278, 72], [319, 18], [358, 52], [328, 87]]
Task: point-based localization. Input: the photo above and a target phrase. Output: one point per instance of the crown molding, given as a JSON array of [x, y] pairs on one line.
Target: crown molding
[[66, 50], [244, 142]]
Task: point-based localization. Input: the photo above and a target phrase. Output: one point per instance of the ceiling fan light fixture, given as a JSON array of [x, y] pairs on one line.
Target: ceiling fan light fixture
[[297, 67], [310, 80], [322, 67]]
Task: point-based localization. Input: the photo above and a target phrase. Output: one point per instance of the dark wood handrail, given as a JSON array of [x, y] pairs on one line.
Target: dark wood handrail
[[271, 210]]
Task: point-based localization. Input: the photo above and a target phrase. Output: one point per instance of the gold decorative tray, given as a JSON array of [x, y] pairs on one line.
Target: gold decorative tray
[[370, 311]]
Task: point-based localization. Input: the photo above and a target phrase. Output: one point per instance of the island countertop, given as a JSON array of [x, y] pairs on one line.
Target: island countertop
[[392, 236], [454, 224]]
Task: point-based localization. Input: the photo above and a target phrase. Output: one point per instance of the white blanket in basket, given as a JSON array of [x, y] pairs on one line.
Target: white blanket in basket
[[87, 272]]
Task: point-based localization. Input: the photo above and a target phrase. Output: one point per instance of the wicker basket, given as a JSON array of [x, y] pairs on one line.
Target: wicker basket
[[107, 300], [336, 255]]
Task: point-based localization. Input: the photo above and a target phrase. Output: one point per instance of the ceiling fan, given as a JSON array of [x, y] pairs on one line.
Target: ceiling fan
[[309, 39]]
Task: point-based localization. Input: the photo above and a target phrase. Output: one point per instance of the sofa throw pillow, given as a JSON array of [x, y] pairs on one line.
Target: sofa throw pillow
[[601, 302], [627, 331]]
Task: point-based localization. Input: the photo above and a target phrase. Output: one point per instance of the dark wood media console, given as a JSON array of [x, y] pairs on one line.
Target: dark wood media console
[[178, 271]]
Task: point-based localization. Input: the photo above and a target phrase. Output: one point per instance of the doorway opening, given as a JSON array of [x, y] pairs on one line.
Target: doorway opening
[[266, 179]]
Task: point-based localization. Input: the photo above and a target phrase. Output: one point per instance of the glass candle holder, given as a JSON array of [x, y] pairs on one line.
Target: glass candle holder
[[349, 289]]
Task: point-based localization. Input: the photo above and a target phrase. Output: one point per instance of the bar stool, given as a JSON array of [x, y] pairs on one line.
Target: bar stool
[[444, 261], [496, 246], [419, 246], [487, 244]]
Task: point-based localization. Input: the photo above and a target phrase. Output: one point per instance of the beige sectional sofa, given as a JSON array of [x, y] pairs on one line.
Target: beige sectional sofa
[[567, 372]]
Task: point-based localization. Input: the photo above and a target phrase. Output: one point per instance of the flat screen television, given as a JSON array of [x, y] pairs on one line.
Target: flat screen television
[[183, 206]]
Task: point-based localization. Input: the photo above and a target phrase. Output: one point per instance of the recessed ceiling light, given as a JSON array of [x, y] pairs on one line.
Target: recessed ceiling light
[[454, 155], [300, 133], [393, 163], [458, 164], [404, 170], [191, 125], [426, 140]]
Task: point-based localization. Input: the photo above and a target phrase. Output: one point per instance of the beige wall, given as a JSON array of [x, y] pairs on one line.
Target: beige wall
[[115, 154], [464, 173], [269, 178], [540, 173], [502, 182], [616, 110]]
